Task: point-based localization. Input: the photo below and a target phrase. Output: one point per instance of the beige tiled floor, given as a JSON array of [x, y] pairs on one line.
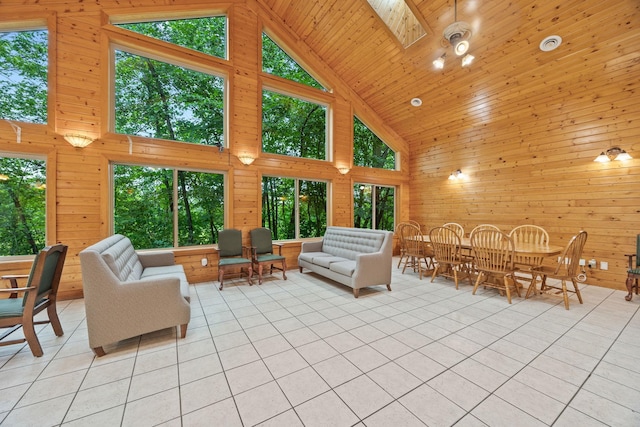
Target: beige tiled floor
[[305, 352]]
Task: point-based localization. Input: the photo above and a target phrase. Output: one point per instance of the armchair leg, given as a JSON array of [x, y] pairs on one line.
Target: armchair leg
[[356, 292], [55, 321], [183, 330], [98, 351], [31, 337], [629, 284], [220, 276]]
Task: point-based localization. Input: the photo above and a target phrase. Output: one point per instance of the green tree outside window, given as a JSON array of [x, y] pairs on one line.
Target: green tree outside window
[[23, 206], [374, 207], [369, 150]]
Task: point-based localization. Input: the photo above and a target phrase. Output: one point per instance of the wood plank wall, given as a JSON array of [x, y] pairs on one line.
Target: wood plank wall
[[78, 183]]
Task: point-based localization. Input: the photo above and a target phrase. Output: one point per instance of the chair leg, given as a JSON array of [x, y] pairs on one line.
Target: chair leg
[[53, 318], [629, 284], [98, 351], [435, 272], [507, 289], [220, 276], [31, 337], [577, 290], [565, 296], [284, 269], [455, 276], [475, 288], [183, 330], [356, 292], [260, 267]]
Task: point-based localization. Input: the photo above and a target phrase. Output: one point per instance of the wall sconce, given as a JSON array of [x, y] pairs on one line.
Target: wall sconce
[[456, 175], [78, 141], [246, 159], [343, 170], [613, 153]]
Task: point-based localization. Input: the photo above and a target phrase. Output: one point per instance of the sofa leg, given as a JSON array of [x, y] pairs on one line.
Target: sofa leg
[[183, 330], [356, 292], [98, 351], [389, 287], [300, 269]]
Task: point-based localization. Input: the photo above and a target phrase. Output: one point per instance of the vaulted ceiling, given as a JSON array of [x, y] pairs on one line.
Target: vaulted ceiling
[[598, 37]]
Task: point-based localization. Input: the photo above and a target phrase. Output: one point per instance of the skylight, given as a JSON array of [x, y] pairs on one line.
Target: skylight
[[400, 20]]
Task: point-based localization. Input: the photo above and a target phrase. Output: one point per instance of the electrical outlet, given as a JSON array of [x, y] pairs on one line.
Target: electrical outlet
[[592, 263], [583, 262], [204, 262], [604, 265]]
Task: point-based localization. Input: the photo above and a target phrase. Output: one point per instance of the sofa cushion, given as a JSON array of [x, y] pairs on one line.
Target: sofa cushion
[[325, 261], [349, 243], [343, 267], [123, 260], [310, 256]]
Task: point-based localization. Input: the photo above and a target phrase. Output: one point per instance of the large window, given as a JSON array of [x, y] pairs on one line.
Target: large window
[[145, 202], [294, 208], [374, 207], [277, 62], [369, 150], [23, 205], [160, 100], [293, 127], [23, 76]]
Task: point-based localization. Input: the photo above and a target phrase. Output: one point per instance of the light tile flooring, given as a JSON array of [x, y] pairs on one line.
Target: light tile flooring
[[305, 352]]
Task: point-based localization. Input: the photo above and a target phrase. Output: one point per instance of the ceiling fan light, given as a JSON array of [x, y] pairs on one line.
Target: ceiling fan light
[[461, 47], [439, 63], [467, 60]]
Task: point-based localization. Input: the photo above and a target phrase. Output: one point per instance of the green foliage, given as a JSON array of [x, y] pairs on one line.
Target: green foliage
[[207, 35], [276, 61], [369, 150], [293, 127], [160, 100], [150, 225], [280, 207], [23, 206], [23, 76]]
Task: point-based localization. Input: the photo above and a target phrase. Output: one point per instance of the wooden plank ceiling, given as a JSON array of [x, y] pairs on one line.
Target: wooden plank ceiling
[[352, 39]]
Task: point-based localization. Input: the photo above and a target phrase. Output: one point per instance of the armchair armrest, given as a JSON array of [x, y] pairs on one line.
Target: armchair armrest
[[279, 246], [13, 281], [630, 260], [156, 259], [13, 290]]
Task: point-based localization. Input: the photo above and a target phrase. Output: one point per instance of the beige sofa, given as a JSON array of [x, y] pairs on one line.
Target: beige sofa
[[355, 257], [127, 293]]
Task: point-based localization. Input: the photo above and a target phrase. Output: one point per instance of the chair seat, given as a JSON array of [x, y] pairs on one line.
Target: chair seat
[[11, 307], [233, 261], [269, 257], [634, 271]]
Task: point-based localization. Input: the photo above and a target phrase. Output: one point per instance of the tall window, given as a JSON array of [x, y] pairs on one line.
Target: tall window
[[160, 100], [373, 207], [145, 199], [369, 150], [294, 208], [293, 127], [23, 76], [23, 205]]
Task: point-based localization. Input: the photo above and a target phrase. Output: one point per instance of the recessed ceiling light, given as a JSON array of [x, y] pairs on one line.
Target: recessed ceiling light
[[550, 43], [416, 102]]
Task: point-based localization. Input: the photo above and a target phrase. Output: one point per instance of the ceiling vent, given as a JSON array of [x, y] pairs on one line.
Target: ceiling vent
[[550, 43]]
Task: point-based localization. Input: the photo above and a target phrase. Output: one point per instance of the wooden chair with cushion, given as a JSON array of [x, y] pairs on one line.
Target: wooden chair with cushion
[[566, 270], [493, 253], [417, 252], [449, 260], [39, 293], [232, 254], [633, 273], [262, 252]]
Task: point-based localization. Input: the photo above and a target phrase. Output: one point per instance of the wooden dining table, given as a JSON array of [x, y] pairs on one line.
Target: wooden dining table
[[521, 249]]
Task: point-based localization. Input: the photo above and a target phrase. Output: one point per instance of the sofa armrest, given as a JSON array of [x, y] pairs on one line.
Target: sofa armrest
[[156, 259], [311, 246], [372, 269]]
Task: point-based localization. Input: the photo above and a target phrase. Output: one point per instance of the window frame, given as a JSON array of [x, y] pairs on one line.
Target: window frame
[[296, 180], [175, 195], [373, 202], [41, 21], [118, 38]]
